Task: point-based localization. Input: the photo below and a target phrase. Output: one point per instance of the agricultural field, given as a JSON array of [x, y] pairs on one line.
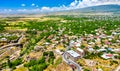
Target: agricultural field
[[40, 42]]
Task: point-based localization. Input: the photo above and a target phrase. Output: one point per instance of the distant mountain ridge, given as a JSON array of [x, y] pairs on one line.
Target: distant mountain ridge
[[100, 8], [112, 9]]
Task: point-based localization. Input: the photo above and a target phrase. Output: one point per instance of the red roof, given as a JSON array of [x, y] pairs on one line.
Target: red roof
[[109, 55], [72, 66]]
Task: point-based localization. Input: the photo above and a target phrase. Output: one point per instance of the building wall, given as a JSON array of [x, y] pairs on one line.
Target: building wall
[[81, 53]]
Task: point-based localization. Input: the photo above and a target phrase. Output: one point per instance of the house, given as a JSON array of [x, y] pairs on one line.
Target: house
[[73, 55], [38, 48], [99, 69], [107, 56], [91, 43], [102, 36], [107, 42], [116, 50], [58, 52], [77, 44], [90, 49], [110, 49], [71, 43], [46, 43], [118, 41], [114, 33], [3, 40], [102, 50], [80, 51]]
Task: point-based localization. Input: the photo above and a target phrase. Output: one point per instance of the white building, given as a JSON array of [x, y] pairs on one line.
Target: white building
[[3, 39], [73, 55], [107, 56], [102, 50], [58, 51], [80, 51], [116, 50], [90, 49]]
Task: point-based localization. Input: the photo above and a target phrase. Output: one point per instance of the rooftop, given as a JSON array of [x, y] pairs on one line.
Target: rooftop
[[73, 53], [80, 50]]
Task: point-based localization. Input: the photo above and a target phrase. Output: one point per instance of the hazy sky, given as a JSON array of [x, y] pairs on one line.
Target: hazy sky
[[7, 6]]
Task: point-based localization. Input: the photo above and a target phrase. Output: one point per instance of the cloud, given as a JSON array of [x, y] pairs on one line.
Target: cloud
[[28, 10], [32, 4], [81, 4], [7, 10], [21, 10], [51, 9], [23, 5], [46, 8], [73, 5], [87, 3]]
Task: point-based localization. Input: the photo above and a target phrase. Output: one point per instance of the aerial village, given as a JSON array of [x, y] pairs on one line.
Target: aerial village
[[37, 49]]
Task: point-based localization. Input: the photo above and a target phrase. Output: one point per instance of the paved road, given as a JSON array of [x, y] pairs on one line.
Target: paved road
[[68, 61], [118, 68], [9, 45], [21, 38], [13, 44], [4, 52]]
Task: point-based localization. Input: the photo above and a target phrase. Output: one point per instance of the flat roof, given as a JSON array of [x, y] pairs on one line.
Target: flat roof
[[73, 53]]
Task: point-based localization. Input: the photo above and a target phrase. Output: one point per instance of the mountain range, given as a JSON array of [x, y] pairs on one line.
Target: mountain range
[[101, 8], [115, 9]]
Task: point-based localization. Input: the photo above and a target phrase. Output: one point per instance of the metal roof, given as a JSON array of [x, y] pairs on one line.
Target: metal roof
[[73, 53]]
